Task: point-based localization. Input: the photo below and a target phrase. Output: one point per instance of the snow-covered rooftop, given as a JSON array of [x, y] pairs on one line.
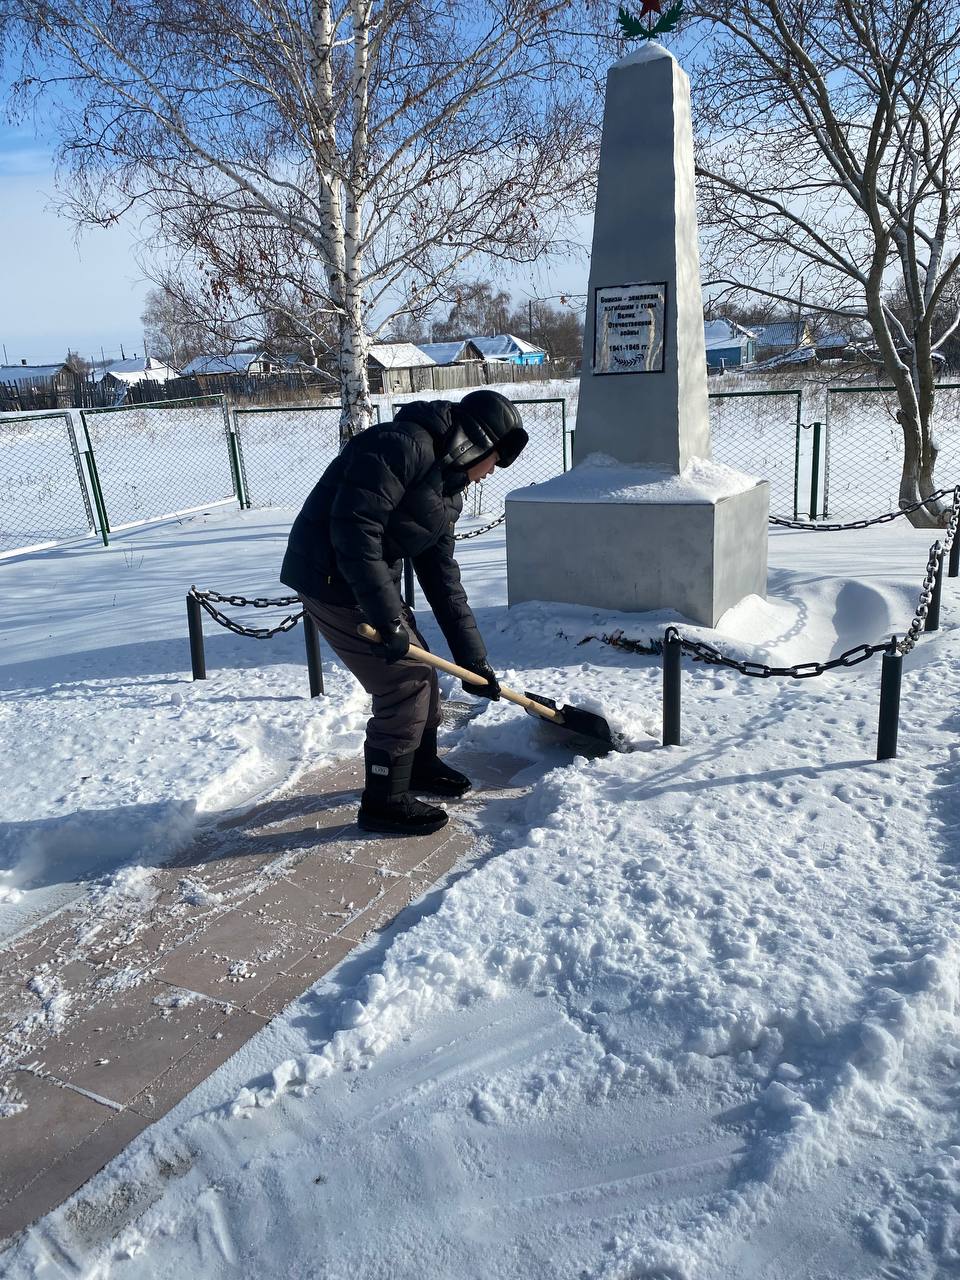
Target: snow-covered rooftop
[[504, 345], [723, 330], [138, 369], [783, 333], [799, 355], [444, 352], [238, 362], [29, 373], [399, 355]]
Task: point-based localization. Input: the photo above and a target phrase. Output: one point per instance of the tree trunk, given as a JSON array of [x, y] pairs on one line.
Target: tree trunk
[[356, 410]]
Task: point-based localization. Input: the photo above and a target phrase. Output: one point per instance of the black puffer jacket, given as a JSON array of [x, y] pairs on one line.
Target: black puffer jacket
[[385, 497]]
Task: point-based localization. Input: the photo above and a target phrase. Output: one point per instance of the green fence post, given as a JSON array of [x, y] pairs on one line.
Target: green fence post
[[235, 469], [95, 485], [815, 472], [563, 430], [796, 474]]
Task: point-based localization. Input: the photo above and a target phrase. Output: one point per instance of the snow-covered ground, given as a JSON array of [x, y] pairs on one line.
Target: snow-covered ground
[[689, 1013]]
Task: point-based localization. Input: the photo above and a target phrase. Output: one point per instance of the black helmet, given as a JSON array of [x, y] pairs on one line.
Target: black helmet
[[484, 421]]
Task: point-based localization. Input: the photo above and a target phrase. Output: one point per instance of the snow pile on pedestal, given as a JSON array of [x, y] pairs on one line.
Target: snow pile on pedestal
[[600, 478]]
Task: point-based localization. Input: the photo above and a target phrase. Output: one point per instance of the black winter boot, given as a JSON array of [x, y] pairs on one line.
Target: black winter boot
[[431, 774], [386, 805]]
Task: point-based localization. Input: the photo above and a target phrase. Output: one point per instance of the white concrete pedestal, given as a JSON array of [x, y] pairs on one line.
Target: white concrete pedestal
[[645, 521], [698, 556]]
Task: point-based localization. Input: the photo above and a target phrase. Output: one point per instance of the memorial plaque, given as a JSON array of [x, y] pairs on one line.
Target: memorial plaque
[[629, 328]]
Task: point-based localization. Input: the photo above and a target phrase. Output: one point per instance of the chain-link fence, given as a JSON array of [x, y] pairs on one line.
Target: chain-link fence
[[144, 462], [545, 422], [863, 448], [284, 451], [43, 498], [759, 433], [161, 460]]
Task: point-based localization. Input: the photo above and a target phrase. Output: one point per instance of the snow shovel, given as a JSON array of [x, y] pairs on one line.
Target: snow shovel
[[585, 724]]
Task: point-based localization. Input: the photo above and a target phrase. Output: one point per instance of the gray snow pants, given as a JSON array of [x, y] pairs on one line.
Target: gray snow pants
[[406, 696]]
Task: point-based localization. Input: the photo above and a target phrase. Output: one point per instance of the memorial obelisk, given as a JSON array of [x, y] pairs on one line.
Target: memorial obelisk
[[645, 520]]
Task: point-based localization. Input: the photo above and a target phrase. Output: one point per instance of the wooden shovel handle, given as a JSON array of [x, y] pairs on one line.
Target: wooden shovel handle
[[471, 677]]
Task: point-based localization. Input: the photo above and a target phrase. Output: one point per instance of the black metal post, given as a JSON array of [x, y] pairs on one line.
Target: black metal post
[[311, 637], [409, 598], [672, 654], [954, 569], [932, 622], [889, 725], [195, 628]]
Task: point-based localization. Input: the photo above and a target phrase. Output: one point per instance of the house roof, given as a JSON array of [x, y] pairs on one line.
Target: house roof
[[727, 344], [837, 340], [239, 362], [448, 352], [799, 355], [504, 345], [137, 370], [783, 333], [30, 373], [399, 355], [725, 332]]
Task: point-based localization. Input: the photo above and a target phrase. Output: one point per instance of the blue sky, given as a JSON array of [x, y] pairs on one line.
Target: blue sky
[[59, 291], [62, 290]]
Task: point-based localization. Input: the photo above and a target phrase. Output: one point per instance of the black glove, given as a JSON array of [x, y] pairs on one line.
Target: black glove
[[482, 668], [394, 641]]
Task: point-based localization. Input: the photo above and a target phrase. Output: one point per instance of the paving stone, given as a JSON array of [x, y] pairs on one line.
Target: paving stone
[[74, 985], [381, 913], [447, 855], [52, 1183], [227, 859], [292, 843], [338, 889], [231, 979], [287, 889], [52, 939], [123, 1044], [317, 792], [55, 1120], [210, 1051], [299, 977], [244, 950]]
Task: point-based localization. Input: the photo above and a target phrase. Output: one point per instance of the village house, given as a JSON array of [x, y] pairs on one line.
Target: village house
[[36, 386], [397, 367]]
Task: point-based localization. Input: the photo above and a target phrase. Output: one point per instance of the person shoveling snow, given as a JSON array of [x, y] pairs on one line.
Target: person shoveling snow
[[395, 492]]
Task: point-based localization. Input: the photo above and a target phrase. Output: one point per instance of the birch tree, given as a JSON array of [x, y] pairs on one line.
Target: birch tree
[[828, 163], [343, 160]]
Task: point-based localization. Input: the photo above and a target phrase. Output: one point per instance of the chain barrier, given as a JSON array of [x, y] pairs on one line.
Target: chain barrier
[[708, 653], [475, 533], [799, 671], [865, 524], [951, 531], [923, 603], [209, 600]]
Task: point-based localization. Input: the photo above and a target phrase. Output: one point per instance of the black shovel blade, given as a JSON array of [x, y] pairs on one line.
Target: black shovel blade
[[585, 724]]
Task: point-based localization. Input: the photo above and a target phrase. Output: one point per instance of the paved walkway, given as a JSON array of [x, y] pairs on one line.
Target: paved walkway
[[106, 1023]]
